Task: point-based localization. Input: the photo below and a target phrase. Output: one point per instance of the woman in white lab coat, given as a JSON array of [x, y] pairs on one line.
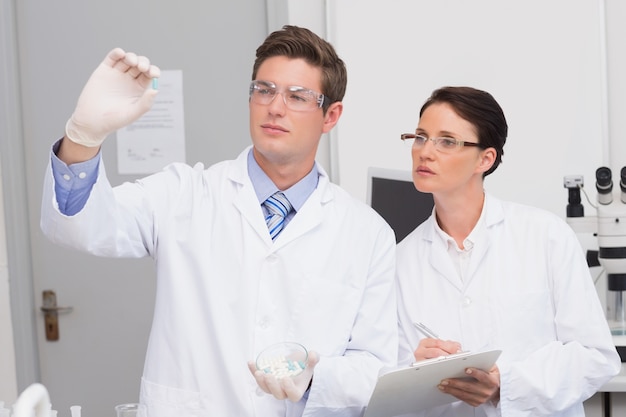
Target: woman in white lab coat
[[487, 274]]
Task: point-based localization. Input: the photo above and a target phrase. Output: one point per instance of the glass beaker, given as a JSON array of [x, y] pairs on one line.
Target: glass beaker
[[131, 410]]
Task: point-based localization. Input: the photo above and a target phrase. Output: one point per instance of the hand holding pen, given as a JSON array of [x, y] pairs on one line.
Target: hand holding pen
[[432, 346], [425, 330]]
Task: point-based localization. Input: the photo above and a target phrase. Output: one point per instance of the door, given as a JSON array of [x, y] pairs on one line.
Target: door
[[98, 358]]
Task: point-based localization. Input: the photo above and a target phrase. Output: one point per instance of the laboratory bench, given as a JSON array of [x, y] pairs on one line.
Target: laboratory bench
[[610, 400]]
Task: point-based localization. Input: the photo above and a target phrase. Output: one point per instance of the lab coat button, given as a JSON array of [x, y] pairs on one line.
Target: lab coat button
[[272, 258], [264, 323], [66, 177], [466, 302]]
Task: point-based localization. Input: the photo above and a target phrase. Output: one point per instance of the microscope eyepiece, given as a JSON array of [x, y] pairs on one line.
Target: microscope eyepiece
[[604, 185], [603, 177]]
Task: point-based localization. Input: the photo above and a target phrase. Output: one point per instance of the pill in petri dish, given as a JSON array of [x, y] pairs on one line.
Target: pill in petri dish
[[283, 359]]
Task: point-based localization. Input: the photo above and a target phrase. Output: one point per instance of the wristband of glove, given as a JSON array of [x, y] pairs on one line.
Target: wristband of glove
[[79, 136]]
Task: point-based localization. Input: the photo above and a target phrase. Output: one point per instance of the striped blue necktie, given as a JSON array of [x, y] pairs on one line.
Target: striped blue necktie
[[278, 207]]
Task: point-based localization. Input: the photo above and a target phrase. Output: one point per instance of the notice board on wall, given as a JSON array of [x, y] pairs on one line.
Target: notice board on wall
[[542, 61]]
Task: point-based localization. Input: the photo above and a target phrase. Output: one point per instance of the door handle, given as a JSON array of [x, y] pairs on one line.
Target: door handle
[[57, 309], [51, 314]]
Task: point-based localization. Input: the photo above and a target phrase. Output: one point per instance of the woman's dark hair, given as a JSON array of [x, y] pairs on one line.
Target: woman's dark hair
[[481, 110]]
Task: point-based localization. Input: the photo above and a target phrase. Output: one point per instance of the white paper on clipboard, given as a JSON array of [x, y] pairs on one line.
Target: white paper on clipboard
[[415, 388]]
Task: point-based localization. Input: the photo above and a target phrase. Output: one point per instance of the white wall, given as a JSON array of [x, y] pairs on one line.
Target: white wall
[[580, 153], [616, 42], [545, 66], [8, 378]]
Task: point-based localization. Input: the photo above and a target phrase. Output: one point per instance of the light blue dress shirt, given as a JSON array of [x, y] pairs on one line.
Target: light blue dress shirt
[[73, 183]]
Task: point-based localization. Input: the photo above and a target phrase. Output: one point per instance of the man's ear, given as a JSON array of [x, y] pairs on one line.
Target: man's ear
[[332, 116]]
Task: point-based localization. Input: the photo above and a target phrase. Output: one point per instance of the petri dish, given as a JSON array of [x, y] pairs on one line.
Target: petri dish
[[285, 359]]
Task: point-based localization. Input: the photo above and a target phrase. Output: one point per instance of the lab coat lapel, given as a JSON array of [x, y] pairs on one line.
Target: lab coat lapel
[[310, 214], [307, 218], [493, 214], [245, 199], [439, 258], [246, 202]]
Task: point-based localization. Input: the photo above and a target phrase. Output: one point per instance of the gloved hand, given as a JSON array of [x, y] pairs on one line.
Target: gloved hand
[[117, 93], [292, 388]]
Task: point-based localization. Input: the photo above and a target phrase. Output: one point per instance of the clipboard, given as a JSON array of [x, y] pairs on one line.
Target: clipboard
[[414, 388]]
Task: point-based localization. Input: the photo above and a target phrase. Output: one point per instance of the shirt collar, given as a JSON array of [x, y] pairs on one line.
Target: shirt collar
[[468, 243], [297, 194]]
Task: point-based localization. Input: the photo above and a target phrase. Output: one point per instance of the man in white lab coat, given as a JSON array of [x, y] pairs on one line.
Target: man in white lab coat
[[489, 274], [322, 275]]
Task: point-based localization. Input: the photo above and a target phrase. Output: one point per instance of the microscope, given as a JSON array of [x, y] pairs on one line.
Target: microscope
[[609, 227]]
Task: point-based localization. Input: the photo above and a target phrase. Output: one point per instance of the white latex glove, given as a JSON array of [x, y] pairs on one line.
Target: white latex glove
[[292, 388], [117, 93]]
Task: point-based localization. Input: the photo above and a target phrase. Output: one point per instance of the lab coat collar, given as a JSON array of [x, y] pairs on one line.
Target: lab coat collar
[[493, 214], [246, 201], [310, 214]]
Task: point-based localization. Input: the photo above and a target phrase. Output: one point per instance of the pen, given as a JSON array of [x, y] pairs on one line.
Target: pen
[[425, 330]]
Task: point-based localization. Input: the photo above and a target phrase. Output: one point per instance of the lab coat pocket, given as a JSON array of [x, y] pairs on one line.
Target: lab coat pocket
[[164, 401], [526, 316], [326, 313]]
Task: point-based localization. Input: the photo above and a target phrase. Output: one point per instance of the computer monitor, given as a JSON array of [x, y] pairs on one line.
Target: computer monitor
[[392, 194]]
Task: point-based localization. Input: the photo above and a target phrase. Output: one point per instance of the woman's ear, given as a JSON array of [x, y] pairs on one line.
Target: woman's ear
[[487, 159]]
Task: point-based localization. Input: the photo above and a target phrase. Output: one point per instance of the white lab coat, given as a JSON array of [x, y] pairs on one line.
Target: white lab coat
[[528, 291], [225, 290]]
